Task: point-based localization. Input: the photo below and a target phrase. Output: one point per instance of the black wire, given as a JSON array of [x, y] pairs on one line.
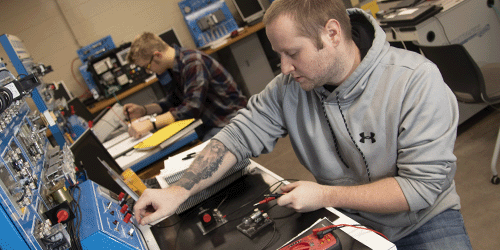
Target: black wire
[[75, 228], [444, 31], [261, 194], [177, 234], [272, 237], [194, 209], [23, 195], [142, 235], [79, 221], [227, 195]]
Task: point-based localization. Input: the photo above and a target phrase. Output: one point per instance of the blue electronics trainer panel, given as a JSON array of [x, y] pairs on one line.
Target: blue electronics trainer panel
[[105, 224], [207, 20], [88, 52], [22, 160], [24, 65], [96, 49], [38, 182]]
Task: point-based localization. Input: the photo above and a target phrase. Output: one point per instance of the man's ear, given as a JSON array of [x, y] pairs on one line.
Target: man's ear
[[334, 31], [157, 54]]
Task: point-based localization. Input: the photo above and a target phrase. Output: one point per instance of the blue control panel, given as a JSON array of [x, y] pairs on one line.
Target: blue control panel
[[103, 225], [22, 159], [207, 20], [96, 48], [24, 65]]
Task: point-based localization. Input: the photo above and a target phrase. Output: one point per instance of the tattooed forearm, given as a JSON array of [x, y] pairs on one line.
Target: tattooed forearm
[[204, 165]]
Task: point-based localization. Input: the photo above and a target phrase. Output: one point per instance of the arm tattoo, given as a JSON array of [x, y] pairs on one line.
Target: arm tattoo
[[204, 165]]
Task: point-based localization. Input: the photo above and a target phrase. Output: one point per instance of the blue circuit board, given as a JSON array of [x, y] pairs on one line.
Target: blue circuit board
[[19, 205], [207, 20], [96, 48]]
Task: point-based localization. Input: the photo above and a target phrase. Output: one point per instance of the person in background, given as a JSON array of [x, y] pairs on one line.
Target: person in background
[[375, 125], [201, 88]]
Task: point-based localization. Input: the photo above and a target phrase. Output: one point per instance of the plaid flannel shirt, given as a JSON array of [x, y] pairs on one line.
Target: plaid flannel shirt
[[201, 88]]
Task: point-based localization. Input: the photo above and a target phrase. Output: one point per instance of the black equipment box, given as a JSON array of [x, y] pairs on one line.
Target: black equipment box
[[112, 72]]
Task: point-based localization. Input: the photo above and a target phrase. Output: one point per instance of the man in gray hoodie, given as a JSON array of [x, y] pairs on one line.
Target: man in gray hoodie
[[375, 125]]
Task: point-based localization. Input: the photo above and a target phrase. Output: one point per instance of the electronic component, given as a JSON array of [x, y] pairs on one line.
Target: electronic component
[[210, 219], [328, 241], [31, 82], [112, 72], [207, 20], [96, 49], [52, 237], [210, 20], [256, 222]]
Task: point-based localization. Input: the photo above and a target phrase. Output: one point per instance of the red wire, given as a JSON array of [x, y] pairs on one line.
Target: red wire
[[317, 230]]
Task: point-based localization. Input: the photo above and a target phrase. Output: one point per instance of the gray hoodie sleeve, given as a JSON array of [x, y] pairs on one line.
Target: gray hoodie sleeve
[[256, 128], [426, 163]]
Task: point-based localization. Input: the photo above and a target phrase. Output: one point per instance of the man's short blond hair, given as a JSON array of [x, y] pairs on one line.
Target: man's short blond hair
[[144, 46], [311, 16]]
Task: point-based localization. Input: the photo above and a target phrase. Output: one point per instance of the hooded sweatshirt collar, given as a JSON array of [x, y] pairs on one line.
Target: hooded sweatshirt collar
[[371, 53]]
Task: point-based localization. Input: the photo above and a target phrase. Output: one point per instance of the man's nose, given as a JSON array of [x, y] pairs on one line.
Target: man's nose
[[286, 66]]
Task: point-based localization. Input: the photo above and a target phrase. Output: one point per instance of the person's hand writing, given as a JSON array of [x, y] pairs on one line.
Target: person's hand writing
[[134, 110], [304, 196], [156, 204], [138, 129]]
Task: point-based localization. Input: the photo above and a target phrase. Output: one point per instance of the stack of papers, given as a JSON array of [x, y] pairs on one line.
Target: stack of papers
[[174, 166]]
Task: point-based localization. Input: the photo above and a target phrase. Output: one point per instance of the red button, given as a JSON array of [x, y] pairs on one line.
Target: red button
[[120, 196], [207, 218], [62, 216]]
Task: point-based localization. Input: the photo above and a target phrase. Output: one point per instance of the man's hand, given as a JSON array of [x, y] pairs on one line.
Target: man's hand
[[134, 110], [155, 204], [304, 196], [138, 129]]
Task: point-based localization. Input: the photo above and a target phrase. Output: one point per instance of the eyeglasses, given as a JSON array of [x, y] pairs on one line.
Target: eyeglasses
[[149, 64]]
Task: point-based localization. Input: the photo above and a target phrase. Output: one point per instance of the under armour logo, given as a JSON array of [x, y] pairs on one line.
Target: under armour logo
[[371, 137]]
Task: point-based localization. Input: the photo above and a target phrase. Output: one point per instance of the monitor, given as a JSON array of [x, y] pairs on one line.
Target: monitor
[[170, 37], [250, 10], [87, 150]]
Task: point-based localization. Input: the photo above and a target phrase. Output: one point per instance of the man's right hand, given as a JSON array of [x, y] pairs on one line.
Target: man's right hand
[[135, 111], [156, 204]]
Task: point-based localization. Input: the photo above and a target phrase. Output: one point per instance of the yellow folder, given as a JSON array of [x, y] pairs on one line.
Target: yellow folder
[[164, 133]]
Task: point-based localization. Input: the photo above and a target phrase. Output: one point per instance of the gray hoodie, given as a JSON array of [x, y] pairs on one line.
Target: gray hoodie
[[401, 116]]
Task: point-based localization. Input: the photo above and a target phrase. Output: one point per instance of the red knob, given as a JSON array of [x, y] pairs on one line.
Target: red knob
[[207, 218], [124, 209], [127, 217], [120, 196], [62, 215]]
